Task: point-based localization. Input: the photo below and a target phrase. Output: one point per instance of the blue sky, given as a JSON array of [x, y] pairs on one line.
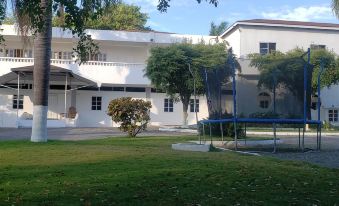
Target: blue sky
[[189, 17]]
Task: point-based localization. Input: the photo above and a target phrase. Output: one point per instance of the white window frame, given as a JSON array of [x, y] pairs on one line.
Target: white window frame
[[168, 105], [195, 104], [15, 104], [267, 48], [333, 115], [96, 104]]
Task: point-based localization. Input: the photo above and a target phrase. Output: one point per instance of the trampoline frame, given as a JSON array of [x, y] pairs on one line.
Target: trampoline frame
[[275, 121]]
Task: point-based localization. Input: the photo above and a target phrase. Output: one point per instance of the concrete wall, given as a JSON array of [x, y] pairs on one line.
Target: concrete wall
[[286, 38]]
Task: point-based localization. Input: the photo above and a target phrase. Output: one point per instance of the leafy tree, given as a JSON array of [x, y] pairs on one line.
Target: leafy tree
[[217, 30], [164, 4], [35, 16], [168, 69], [132, 114], [119, 16], [335, 7], [288, 71]]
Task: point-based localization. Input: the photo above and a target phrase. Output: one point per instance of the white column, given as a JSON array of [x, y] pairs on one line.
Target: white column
[[66, 95]]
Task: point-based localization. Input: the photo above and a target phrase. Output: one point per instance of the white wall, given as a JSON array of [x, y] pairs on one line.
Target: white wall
[[286, 38]]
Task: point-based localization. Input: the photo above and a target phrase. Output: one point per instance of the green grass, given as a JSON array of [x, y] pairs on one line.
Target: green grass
[[145, 171]]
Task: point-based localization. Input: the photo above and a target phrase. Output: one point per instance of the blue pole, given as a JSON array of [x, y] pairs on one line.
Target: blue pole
[[234, 88], [319, 104], [305, 95], [319, 99]]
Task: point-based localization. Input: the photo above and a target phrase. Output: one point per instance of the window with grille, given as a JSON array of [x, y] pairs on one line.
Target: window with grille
[[98, 57], [18, 104], [333, 115], [264, 100], [168, 105], [96, 103], [192, 105], [318, 46], [19, 53], [267, 48], [61, 55]]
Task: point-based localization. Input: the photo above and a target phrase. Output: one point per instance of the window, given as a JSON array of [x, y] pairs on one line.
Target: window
[[168, 105], [192, 105], [15, 102], [333, 115], [318, 46], [96, 103], [264, 100], [19, 53], [61, 55], [98, 57], [266, 48]]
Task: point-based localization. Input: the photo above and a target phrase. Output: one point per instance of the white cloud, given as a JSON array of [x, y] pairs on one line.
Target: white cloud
[[312, 13]]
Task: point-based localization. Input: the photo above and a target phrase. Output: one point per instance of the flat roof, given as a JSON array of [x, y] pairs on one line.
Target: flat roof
[[284, 23]]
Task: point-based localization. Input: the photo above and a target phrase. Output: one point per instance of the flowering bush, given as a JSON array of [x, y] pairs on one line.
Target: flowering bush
[[132, 114]]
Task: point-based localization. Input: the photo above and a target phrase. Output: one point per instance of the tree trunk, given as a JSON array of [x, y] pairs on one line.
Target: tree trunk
[[185, 102], [42, 58]]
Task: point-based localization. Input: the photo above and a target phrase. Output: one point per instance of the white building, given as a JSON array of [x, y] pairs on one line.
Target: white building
[[118, 71]]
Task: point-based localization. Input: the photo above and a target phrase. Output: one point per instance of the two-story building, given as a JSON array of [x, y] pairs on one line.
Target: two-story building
[[79, 94], [263, 36]]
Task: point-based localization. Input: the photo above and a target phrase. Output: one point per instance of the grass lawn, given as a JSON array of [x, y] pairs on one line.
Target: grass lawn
[[145, 171]]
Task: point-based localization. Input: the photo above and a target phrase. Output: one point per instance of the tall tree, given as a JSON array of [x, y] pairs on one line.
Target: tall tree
[[288, 71], [168, 69], [116, 17], [35, 16], [217, 30], [163, 5], [335, 7]]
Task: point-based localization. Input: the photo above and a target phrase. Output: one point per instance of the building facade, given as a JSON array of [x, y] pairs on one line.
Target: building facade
[[85, 90], [79, 94], [263, 36]]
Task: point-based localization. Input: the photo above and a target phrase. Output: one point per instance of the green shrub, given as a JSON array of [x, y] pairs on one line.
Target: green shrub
[[228, 128], [132, 114]]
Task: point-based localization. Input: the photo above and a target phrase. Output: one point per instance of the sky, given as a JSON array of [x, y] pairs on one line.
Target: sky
[[189, 17]]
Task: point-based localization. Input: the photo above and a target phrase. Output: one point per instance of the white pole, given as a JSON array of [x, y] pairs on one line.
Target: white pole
[[18, 100], [66, 96]]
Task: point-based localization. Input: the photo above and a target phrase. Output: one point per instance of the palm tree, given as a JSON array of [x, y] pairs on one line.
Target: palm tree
[[335, 7], [36, 16], [42, 65]]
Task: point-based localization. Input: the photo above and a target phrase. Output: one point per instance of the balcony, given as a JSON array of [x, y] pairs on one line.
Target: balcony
[[117, 73]]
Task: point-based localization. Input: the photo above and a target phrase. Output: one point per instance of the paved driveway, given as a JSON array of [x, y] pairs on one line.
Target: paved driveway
[[76, 133]]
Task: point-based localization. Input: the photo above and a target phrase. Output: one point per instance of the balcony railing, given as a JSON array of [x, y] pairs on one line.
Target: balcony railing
[[65, 61]]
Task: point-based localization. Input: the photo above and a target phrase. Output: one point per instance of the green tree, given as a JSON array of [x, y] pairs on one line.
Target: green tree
[[132, 114], [119, 16], [335, 7], [163, 5], [288, 71], [168, 69], [35, 16], [217, 30]]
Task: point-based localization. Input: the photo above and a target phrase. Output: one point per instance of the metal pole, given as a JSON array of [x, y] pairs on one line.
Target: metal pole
[[203, 132], [66, 95], [299, 137], [274, 111], [211, 133], [195, 99], [222, 133], [18, 100], [319, 104], [234, 99], [305, 96]]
